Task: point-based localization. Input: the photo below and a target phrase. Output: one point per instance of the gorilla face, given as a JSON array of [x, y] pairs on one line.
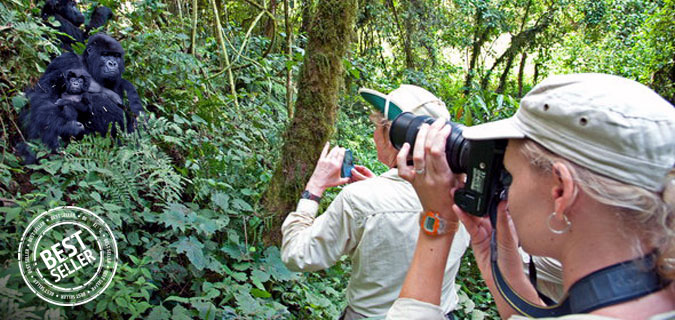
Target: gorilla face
[[104, 58], [75, 83], [110, 65]]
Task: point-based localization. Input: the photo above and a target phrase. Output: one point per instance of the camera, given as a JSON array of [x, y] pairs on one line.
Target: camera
[[481, 160], [347, 165]]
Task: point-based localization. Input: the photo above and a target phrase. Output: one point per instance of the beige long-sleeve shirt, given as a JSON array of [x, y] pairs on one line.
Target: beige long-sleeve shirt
[[411, 309], [376, 223]]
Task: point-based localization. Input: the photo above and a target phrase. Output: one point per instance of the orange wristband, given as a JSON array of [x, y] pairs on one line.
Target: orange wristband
[[432, 224]]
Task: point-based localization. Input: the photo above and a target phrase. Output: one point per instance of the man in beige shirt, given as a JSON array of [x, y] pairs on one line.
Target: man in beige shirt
[[374, 220]]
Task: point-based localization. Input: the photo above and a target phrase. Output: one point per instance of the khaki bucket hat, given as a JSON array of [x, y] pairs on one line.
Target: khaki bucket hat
[[610, 125]]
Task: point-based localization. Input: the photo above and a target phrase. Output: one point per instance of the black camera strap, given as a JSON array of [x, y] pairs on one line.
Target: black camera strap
[[611, 285], [532, 272]]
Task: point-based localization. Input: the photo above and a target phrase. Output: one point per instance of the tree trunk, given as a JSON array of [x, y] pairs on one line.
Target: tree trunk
[[521, 71], [315, 110], [505, 74], [307, 12], [269, 23], [289, 53], [404, 34], [478, 41]]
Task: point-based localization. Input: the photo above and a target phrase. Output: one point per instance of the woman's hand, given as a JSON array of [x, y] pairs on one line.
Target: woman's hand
[[327, 171], [361, 173], [510, 261], [430, 175]]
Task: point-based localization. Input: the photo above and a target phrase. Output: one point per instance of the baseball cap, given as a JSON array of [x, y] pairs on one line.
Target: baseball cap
[[407, 98], [610, 125]]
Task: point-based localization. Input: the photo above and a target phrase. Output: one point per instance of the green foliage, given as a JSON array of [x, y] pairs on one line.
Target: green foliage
[[182, 194]]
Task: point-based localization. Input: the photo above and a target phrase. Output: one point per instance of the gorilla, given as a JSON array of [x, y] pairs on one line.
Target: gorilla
[[103, 59], [49, 120], [99, 18], [70, 18]]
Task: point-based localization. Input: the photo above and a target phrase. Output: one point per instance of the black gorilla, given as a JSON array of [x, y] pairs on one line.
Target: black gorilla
[[70, 18], [50, 120], [103, 59]]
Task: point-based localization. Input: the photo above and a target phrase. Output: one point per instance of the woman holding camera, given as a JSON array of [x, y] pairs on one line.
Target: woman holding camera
[[591, 158]]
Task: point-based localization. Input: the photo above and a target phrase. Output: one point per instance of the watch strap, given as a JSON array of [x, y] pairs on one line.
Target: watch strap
[[308, 195]]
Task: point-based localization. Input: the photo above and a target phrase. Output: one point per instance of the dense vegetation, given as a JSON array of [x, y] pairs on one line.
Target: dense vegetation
[[183, 194]]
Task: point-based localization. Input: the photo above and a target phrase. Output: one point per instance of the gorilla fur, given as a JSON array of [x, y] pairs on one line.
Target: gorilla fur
[[99, 18], [69, 17]]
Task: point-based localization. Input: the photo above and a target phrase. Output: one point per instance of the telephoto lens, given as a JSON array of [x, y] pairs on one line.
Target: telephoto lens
[[480, 160], [404, 129]]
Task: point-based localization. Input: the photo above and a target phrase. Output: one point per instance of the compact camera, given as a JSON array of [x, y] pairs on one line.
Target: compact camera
[[487, 180]]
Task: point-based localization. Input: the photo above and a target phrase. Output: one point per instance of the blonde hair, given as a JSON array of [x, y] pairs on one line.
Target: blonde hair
[[651, 213], [379, 120]]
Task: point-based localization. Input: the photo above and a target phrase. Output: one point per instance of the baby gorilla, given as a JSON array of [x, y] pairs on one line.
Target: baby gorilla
[[77, 83], [80, 89]]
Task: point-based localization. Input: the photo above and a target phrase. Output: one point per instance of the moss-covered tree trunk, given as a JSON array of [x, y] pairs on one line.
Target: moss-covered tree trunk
[[315, 109]]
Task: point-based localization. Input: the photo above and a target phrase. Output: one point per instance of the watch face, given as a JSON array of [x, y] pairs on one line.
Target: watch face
[[429, 223]]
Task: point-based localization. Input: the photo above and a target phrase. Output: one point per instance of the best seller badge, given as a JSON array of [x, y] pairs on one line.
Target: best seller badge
[[68, 256]]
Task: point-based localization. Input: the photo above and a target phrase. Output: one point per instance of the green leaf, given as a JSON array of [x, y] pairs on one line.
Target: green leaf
[[178, 299], [277, 269], [208, 226], [134, 259], [159, 313], [10, 213], [96, 196], [222, 200], [19, 102], [239, 276], [260, 293], [156, 253], [263, 276], [242, 266], [193, 249], [121, 302], [247, 303], [242, 205], [180, 313], [207, 310], [101, 306], [177, 216]]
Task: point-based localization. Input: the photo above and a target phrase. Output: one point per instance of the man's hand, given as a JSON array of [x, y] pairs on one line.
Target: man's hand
[[361, 173], [327, 171]]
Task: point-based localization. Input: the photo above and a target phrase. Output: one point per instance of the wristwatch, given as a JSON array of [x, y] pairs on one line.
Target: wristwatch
[[308, 195], [434, 225]]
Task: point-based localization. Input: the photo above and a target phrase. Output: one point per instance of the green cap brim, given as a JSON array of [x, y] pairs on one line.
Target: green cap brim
[[378, 100]]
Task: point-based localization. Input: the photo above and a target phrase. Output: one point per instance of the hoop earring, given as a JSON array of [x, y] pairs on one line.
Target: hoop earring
[[567, 227]]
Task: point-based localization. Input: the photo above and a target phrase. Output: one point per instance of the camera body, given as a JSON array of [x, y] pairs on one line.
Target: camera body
[[481, 160]]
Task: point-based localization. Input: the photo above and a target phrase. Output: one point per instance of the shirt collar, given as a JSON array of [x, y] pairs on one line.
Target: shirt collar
[[392, 174]]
